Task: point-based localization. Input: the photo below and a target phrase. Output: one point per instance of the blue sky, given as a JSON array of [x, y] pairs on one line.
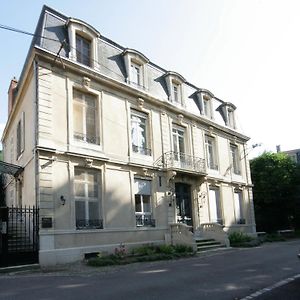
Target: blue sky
[[245, 52]]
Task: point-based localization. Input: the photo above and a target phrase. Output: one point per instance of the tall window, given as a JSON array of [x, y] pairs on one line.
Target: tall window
[[235, 159], [238, 207], [21, 135], [87, 199], [176, 93], [135, 70], [178, 142], [139, 135], [211, 158], [83, 50], [215, 209], [143, 203], [85, 113]]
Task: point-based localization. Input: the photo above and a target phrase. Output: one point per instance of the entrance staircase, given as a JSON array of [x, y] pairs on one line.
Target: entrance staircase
[[207, 244], [210, 236]]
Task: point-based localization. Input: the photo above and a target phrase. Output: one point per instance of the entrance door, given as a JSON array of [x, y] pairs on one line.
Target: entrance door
[[183, 203]]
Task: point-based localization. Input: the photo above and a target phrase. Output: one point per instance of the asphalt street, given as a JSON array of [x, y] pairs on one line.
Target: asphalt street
[[228, 274]]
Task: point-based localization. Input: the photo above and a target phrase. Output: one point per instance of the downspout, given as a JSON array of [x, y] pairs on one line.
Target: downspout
[[35, 122]]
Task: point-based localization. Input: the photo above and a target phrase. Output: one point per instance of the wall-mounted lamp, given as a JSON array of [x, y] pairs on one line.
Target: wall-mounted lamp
[[63, 200]]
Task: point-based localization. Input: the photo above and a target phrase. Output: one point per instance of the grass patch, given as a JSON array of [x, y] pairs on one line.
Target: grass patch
[[142, 254]]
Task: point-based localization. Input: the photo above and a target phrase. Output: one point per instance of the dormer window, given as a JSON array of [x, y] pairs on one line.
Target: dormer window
[[136, 68], [83, 50], [203, 99], [226, 109], [135, 73], [174, 82], [231, 120], [83, 43], [176, 93]]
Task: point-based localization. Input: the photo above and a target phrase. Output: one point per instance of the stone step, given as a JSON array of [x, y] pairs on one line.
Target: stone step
[[208, 243], [209, 247]]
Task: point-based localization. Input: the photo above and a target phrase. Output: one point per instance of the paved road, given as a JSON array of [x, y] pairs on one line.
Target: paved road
[[230, 274]]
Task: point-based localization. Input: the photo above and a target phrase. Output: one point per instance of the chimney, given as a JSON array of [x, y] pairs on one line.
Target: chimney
[[278, 148], [11, 94]]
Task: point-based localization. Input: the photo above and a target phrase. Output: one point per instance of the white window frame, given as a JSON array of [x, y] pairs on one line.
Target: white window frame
[[215, 205], [84, 120], [235, 162], [86, 31], [211, 156], [137, 148], [238, 206], [144, 215], [85, 198], [177, 134], [136, 73], [176, 93], [231, 118]]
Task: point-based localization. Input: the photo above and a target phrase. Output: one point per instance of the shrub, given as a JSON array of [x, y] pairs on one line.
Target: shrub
[[166, 249], [239, 238], [183, 249]]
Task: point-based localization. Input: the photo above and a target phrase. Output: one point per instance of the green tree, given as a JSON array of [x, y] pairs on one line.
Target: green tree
[[276, 179]]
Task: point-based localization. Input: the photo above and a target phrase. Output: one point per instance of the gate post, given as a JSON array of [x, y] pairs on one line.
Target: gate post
[[3, 235]]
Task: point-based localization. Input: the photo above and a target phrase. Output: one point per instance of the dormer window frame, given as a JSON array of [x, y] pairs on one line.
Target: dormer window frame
[[175, 80], [227, 111], [207, 106], [77, 28], [135, 59]]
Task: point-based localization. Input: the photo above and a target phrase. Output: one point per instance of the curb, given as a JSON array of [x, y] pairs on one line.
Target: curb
[[19, 268]]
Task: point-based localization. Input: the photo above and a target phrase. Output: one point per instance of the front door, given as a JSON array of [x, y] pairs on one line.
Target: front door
[[183, 203]]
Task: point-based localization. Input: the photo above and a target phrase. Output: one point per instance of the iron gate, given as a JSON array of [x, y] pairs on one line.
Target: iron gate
[[19, 235]]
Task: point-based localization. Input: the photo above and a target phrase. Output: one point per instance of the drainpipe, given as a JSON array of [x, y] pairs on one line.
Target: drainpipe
[[35, 122]]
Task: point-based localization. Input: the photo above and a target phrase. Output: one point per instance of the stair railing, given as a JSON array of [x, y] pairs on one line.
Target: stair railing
[[181, 234], [214, 231]]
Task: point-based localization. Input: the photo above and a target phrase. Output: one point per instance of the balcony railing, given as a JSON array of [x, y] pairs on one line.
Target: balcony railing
[[86, 138], [144, 220], [141, 150], [89, 224], [177, 160]]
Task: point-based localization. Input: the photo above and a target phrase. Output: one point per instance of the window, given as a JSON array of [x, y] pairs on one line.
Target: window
[[206, 107], [178, 142], [136, 74], [87, 199], [139, 135], [176, 93], [238, 207], [235, 159], [210, 147], [231, 121], [142, 197], [85, 113], [215, 209], [21, 135], [83, 50]]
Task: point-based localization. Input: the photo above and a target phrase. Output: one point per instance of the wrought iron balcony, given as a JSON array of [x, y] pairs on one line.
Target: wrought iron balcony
[[144, 220], [181, 161], [86, 138], [89, 224]]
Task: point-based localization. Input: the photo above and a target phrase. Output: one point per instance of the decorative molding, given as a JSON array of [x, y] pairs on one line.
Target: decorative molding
[[180, 118], [86, 82], [140, 102], [88, 162]]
